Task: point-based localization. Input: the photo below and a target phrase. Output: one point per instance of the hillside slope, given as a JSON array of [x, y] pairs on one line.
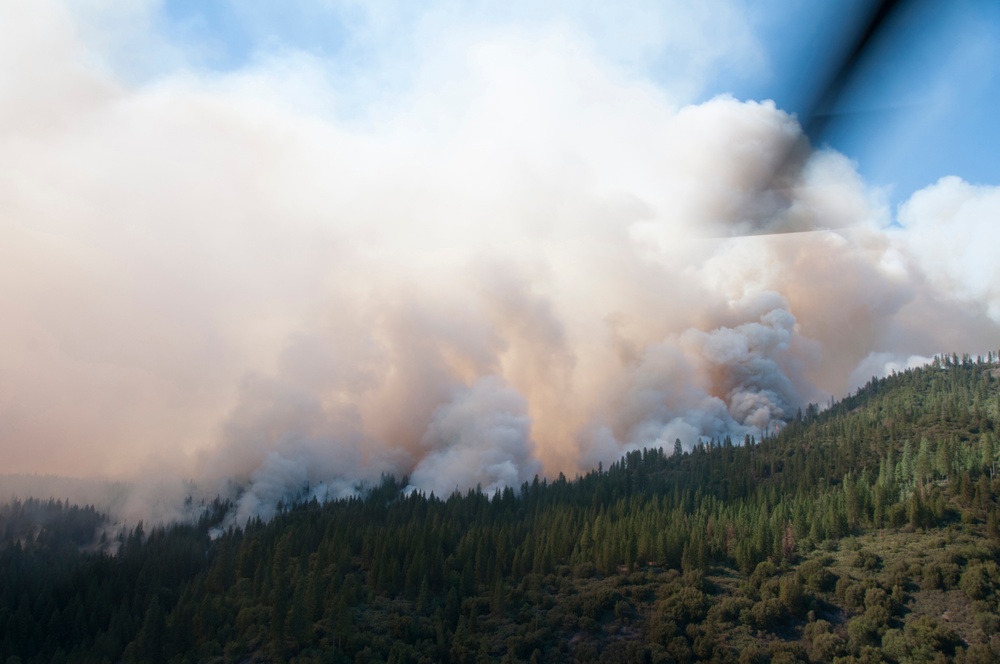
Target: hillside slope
[[868, 532]]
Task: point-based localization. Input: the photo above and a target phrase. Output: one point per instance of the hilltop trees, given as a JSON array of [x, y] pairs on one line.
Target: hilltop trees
[[657, 558]]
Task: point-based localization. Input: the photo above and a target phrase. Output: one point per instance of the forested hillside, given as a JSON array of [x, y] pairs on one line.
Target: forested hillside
[[867, 532]]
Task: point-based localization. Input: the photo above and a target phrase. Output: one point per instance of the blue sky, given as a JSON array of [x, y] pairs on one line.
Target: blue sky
[[923, 102], [921, 107]]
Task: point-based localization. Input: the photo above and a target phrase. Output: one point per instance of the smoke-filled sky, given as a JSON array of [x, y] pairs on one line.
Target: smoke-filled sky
[[315, 241]]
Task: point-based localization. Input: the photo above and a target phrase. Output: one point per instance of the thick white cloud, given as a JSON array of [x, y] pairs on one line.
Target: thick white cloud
[[950, 230], [528, 257]]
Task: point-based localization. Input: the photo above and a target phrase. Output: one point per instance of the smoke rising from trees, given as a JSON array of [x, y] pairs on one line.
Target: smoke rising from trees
[[525, 261]]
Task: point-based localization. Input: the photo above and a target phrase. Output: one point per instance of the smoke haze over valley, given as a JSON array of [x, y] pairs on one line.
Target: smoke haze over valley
[[459, 250]]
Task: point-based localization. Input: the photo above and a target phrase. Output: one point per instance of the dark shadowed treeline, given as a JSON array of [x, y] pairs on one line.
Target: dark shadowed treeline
[[867, 532]]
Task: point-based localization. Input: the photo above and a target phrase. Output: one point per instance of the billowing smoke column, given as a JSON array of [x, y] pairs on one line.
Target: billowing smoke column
[[526, 260], [481, 439], [729, 381]]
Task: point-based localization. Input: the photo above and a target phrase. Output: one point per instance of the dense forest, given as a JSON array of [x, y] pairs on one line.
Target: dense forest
[[867, 532]]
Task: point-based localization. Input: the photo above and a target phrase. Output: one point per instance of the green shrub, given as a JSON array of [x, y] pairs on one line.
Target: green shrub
[[866, 560], [684, 606], [850, 593], [792, 596], [975, 582], [767, 614], [921, 640], [950, 574], [825, 647], [863, 631], [728, 609], [816, 577], [932, 578], [898, 575], [754, 654], [679, 650], [988, 622], [979, 653], [878, 606], [763, 572], [895, 646], [787, 653], [623, 610]]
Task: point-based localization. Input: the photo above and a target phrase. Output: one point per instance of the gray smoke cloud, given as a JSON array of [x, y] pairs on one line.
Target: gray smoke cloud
[[728, 381], [523, 258], [481, 438]]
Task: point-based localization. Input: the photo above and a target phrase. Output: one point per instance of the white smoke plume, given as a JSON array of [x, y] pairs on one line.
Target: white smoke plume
[[524, 257], [949, 229], [481, 438]]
